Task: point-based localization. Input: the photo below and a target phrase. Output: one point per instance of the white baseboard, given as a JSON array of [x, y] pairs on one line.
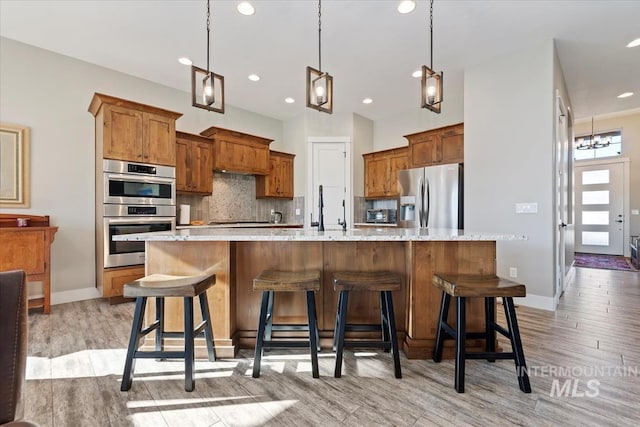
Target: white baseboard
[[74, 295], [537, 301]]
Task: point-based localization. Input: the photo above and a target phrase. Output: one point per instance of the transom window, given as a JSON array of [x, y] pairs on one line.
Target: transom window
[[613, 149]]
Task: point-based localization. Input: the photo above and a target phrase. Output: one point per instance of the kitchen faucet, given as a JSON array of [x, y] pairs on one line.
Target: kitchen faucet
[[344, 215], [320, 223]]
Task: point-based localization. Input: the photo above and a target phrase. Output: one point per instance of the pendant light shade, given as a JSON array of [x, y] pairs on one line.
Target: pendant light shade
[[207, 87], [432, 82], [431, 89], [319, 90], [319, 83]]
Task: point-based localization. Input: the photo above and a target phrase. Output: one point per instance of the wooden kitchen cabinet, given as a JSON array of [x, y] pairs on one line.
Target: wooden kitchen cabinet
[[238, 152], [381, 172], [194, 164], [436, 146], [29, 249], [114, 279], [127, 130], [279, 182]]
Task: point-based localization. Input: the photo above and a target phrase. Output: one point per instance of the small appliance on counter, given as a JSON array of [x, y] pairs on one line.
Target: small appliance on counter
[[381, 216]]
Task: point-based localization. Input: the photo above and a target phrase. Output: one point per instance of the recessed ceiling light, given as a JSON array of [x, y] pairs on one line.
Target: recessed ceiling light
[[367, 101], [625, 95], [634, 43], [417, 73], [246, 8], [254, 77], [289, 100], [185, 61], [406, 6]]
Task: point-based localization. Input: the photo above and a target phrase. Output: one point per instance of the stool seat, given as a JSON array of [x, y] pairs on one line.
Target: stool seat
[[463, 286], [366, 281], [270, 282], [384, 282], [164, 285], [273, 280], [160, 286], [468, 285]]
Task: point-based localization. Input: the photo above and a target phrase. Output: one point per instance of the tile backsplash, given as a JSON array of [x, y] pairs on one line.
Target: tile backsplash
[[234, 199]]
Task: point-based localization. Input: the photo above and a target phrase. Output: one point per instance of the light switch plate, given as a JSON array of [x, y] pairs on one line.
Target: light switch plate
[[635, 211], [298, 211], [527, 207]]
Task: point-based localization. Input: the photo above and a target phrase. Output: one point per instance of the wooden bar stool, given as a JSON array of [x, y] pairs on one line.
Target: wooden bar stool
[[271, 281], [373, 281], [464, 286], [161, 286]]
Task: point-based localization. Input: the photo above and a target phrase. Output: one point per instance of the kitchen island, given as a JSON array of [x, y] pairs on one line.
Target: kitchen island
[[238, 255]]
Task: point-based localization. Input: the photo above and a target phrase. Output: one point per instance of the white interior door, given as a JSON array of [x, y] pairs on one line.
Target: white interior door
[[330, 168], [600, 208]]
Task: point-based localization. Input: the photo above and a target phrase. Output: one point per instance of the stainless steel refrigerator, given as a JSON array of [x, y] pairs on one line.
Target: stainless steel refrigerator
[[431, 197]]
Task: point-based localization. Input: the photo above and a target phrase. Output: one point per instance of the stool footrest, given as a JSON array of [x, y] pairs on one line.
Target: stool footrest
[[284, 344], [362, 328], [489, 355], [180, 334], [152, 327], [281, 327], [158, 354], [364, 344]]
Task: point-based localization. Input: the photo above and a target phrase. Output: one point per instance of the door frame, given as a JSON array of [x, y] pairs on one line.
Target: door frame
[[626, 210], [563, 155], [311, 141]]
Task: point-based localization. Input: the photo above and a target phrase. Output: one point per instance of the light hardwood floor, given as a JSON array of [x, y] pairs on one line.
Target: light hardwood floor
[[77, 355]]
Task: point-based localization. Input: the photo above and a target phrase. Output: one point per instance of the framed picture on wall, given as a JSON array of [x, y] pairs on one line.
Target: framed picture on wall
[[14, 166]]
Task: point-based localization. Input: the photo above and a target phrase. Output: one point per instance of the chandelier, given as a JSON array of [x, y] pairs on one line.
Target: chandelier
[[595, 141], [431, 87], [319, 84], [207, 87]]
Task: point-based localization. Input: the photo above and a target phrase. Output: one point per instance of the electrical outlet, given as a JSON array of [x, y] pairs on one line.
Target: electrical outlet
[[513, 272], [298, 211]]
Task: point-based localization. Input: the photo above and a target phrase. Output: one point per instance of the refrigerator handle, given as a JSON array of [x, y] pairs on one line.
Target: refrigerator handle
[[427, 199], [421, 219]]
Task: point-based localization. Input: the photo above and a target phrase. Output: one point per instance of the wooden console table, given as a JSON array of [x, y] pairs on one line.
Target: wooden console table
[[28, 248]]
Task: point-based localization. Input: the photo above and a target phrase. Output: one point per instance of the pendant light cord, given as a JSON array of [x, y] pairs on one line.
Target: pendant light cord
[[431, 31], [320, 35], [208, 31]]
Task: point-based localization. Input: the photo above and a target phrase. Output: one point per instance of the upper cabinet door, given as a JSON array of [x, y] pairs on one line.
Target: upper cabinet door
[[279, 182], [127, 130], [424, 151], [122, 133], [437, 146], [159, 139]]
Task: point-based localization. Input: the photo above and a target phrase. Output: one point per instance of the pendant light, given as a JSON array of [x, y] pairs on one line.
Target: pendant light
[[319, 84], [595, 141], [431, 86], [207, 87]]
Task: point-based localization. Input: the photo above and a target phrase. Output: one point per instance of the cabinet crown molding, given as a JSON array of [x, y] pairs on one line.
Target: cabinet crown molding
[[99, 99]]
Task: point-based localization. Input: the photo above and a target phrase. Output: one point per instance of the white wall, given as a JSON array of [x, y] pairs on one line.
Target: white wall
[[50, 93], [629, 124], [388, 133], [508, 115]]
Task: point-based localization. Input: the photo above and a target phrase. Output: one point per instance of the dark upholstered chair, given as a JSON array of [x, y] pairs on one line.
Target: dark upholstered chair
[[13, 348]]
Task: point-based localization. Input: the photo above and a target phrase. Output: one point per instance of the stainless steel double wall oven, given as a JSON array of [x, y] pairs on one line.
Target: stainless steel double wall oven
[[138, 198]]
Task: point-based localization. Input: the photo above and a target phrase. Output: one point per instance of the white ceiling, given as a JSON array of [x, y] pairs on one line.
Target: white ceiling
[[369, 48]]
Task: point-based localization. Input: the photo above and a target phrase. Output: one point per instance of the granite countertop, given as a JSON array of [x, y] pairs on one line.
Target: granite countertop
[[375, 224], [241, 225], [204, 233]]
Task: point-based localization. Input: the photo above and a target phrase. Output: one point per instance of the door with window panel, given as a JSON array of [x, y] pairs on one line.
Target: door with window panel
[[600, 209]]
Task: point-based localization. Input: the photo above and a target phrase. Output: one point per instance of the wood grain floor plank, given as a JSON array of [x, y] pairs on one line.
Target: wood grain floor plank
[[77, 355]]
